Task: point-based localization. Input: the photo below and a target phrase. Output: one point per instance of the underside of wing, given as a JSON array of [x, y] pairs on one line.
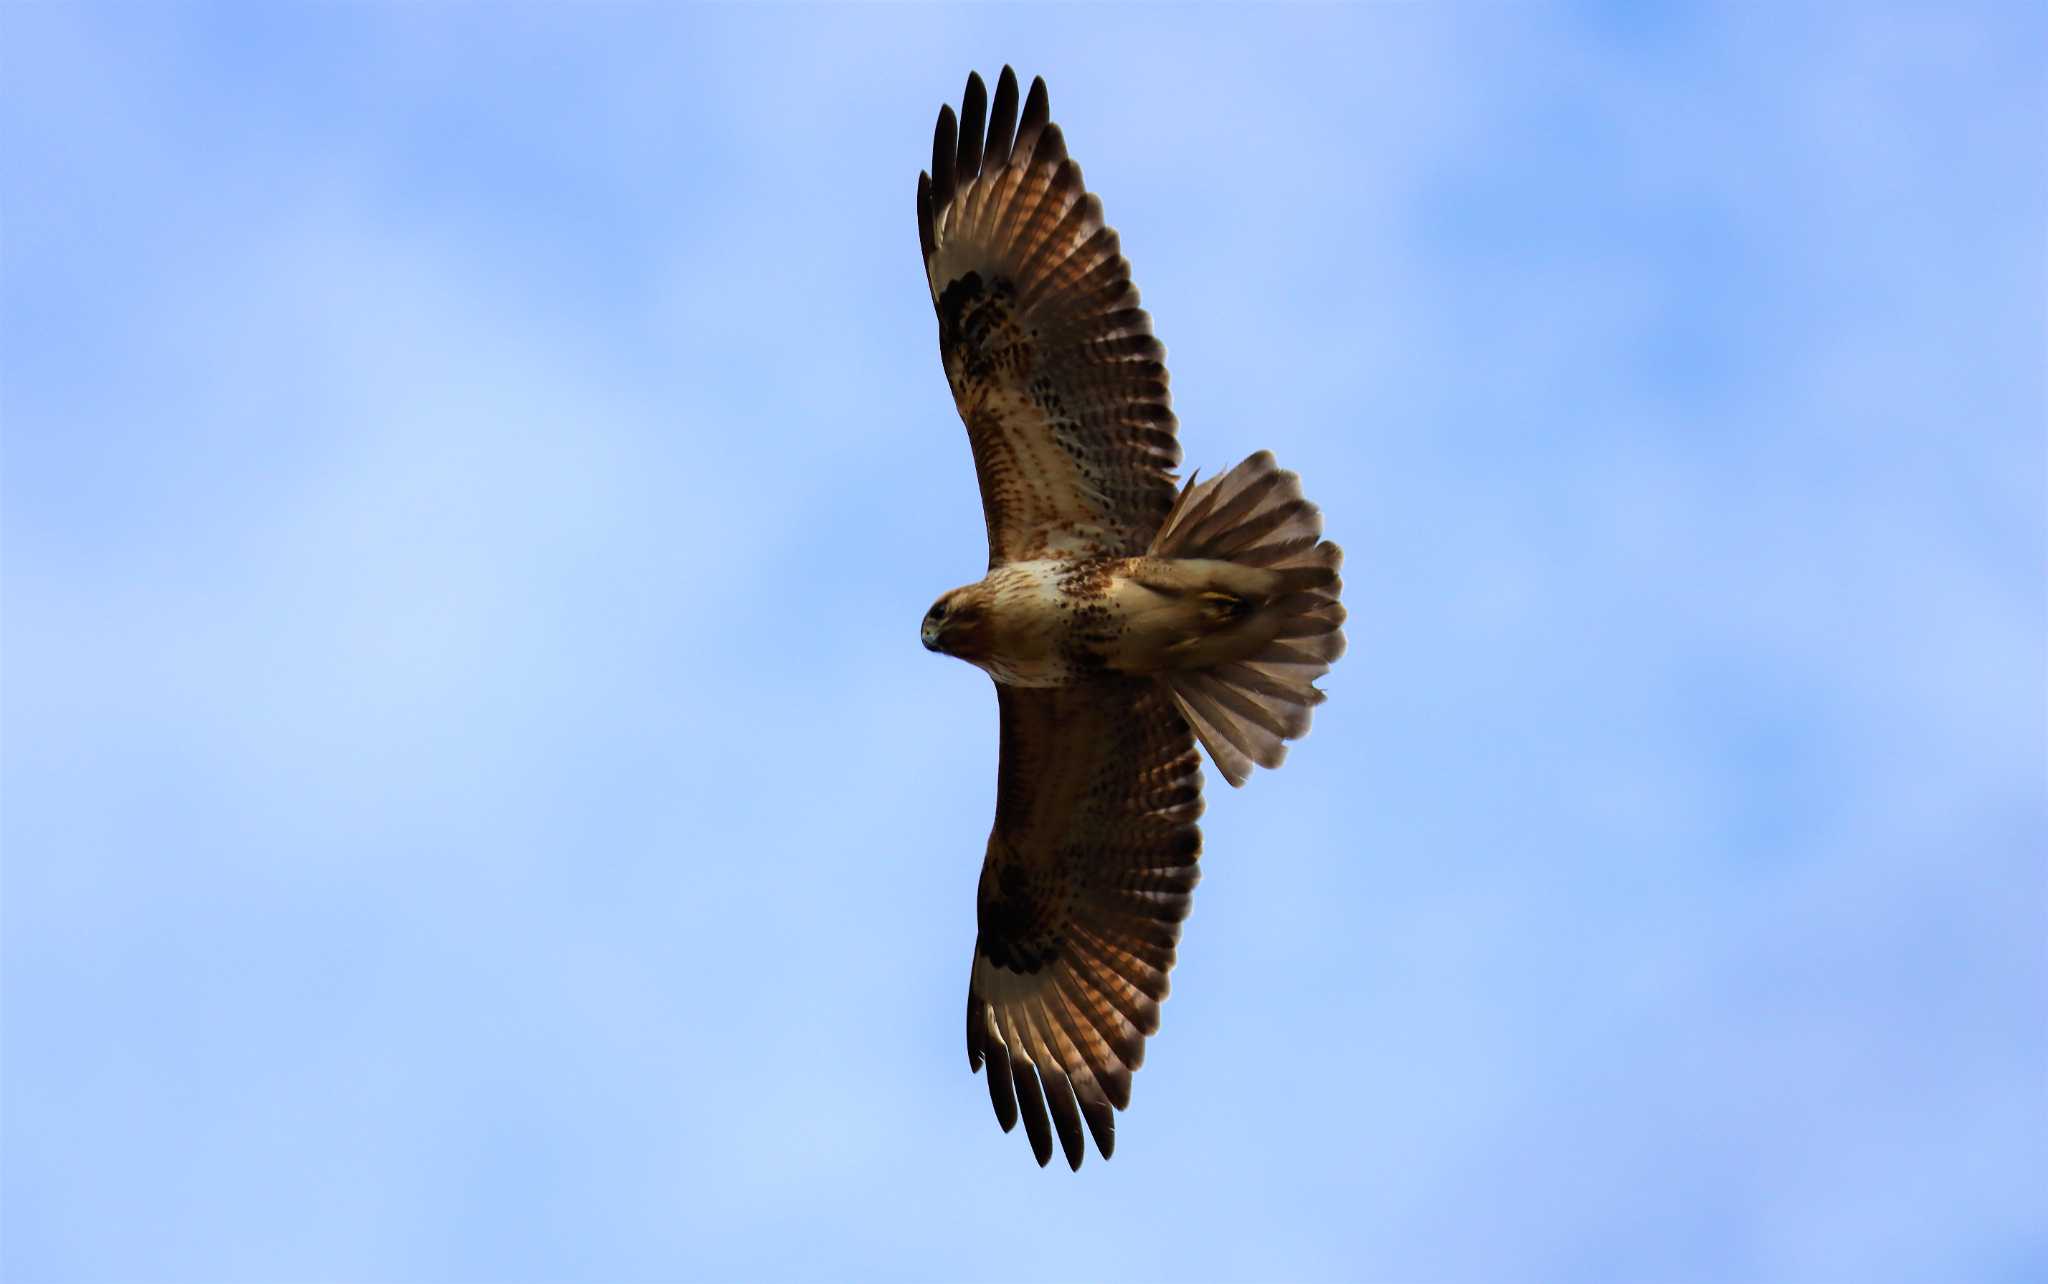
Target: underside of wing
[[1091, 868], [1052, 363]]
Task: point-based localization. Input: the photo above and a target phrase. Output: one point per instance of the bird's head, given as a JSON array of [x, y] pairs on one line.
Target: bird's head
[[954, 625]]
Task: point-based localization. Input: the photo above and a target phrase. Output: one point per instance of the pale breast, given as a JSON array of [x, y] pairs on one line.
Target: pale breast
[[1051, 621]]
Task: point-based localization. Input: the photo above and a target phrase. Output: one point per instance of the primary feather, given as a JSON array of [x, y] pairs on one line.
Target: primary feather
[[1052, 363]]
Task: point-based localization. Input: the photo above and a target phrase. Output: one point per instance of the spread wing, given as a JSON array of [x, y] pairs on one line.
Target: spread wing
[[1091, 867], [1052, 362]]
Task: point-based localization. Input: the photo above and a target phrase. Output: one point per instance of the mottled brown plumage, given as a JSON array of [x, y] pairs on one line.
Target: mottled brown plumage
[[1090, 869], [1122, 617], [1051, 360]]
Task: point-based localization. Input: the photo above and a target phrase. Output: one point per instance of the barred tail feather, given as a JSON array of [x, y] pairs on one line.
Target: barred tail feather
[[1245, 711]]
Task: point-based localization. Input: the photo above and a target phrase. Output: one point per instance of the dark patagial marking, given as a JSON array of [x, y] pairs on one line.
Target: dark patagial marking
[[977, 330], [1012, 931], [958, 296]]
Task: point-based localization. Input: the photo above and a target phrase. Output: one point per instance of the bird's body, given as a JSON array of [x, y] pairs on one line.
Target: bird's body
[[1123, 617], [1057, 622]]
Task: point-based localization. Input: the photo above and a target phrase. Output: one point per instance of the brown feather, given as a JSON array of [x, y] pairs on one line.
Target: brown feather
[[1051, 360], [973, 120], [1032, 1101], [1002, 122], [1090, 870]]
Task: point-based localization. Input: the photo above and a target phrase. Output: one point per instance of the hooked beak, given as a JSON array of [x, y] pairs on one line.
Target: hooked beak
[[930, 634]]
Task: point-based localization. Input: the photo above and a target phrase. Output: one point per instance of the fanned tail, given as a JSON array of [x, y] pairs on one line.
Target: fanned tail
[[1245, 710]]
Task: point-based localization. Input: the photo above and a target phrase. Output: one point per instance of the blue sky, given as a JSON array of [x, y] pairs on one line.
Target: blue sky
[[475, 806]]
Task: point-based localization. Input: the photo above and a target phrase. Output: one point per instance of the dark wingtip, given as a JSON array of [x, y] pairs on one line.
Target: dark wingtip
[[973, 126], [1037, 111], [1001, 1084], [927, 237], [1051, 149], [973, 1035], [1037, 104], [1103, 1125], [1032, 1102], [1002, 121], [1066, 1118], [945, 153]]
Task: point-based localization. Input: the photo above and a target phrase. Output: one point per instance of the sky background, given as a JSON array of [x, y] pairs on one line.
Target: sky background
[[475, 806]]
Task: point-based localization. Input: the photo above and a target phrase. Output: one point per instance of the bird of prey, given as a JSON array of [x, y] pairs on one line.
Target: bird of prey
[[1123, 618]]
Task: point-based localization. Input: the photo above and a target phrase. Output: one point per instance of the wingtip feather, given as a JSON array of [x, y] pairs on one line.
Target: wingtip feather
[[1002, 121], [1031, 1100], [927, 239], [1037, 112], [973, 128], [945, 154], [1001, 1084]]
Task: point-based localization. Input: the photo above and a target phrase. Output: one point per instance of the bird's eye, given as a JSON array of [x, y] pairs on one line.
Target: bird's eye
[[938, 611]]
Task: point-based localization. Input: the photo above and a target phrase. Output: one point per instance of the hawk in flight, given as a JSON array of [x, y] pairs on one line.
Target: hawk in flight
[[1123, 618]]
